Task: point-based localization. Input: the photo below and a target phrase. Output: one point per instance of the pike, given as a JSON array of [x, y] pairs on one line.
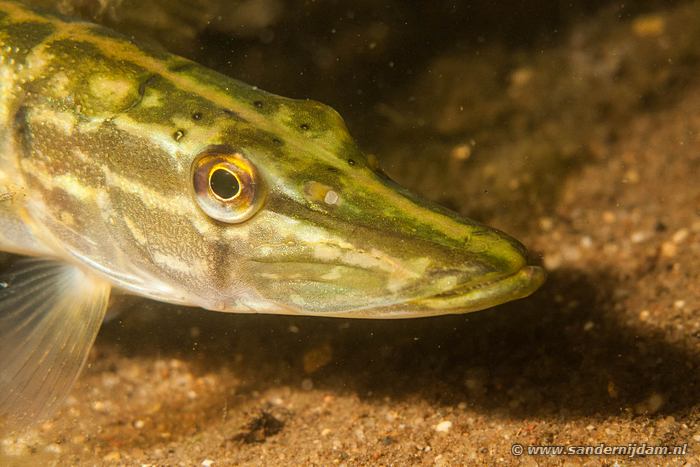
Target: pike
[[140, 171]]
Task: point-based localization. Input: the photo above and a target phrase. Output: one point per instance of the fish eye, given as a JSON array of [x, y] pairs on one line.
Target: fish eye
[[227, 185], [224, 184]]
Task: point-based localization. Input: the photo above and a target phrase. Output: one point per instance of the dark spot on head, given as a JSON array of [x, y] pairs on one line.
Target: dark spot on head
[[351, 161], [304, 126], [277, 141], [181, 66], [234, 115], [178, 135], [143, 84], [197, 116], [333, 170], [258, 104]]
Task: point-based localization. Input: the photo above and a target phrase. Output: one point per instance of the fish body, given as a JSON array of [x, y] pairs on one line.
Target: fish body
[[127, 168]]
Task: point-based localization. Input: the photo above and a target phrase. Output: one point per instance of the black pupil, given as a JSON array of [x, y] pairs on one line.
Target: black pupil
[[224, 184]]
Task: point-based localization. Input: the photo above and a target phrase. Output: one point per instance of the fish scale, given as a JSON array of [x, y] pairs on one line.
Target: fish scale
[[109, 159]]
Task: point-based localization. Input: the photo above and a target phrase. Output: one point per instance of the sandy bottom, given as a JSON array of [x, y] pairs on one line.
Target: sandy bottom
[[588, 150]]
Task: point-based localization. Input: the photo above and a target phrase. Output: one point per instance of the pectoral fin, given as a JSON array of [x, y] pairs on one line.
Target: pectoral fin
[[49, 316]]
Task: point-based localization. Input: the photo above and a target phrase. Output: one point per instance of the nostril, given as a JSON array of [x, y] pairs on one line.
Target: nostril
[[518, 246]]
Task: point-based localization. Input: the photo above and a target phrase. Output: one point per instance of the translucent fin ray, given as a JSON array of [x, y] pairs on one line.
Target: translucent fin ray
[[49, 316]]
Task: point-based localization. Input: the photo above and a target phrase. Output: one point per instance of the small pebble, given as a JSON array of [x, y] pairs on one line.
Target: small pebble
[[644, 315], [611, 249], [207, 463], [631, 176], [649, 26], [53, 448], [278, 401], [639, 236], [669, 249], [546, 223], [307, 384], [608, 217], [461, 152], [552, 261], [651, 405], [680, 236], [317, 357], [571, 253], [99, 406], [655, 402], [589, 325], [444, 426], [521, 76], [440, 461], [113, 456], [110, 380]]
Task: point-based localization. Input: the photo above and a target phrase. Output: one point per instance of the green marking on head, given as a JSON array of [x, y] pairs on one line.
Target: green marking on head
[[24, 36]]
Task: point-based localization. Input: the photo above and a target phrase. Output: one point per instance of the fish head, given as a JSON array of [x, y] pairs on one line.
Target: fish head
[[181, 184], [308, 224]]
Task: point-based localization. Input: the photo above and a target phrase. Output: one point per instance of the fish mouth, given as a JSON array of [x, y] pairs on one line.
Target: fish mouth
[[478, 296], [464, 298]]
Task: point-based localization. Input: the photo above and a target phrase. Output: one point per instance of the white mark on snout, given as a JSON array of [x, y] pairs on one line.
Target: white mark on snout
[[331, 197]]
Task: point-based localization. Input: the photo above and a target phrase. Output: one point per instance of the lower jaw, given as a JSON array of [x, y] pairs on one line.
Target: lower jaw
[[518, 285]]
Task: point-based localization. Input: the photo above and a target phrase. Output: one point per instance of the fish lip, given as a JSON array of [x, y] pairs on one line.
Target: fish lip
[[477, 296]]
